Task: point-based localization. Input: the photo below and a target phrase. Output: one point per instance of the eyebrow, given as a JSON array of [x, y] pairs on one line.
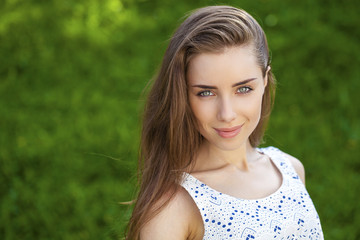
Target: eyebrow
[[234, 85]]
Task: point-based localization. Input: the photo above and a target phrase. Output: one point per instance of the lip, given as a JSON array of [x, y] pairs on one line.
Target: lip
[[228, 132]]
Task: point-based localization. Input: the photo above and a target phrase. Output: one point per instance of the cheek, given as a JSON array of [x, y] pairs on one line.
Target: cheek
[[258, 104], [202, 111], [197, 110], [257, 109], [252, 108]]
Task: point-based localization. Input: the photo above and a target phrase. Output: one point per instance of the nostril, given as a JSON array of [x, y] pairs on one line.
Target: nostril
[[227, 113]]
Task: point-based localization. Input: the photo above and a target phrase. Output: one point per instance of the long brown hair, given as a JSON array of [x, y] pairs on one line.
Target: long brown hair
[[170, 140]]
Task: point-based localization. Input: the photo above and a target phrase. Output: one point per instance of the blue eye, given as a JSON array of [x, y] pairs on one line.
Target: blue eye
[[205, 94], [243, 90]]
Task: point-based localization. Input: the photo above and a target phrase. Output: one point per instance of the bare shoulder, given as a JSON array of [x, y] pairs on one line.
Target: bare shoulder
[[179, 219], [299, 167]]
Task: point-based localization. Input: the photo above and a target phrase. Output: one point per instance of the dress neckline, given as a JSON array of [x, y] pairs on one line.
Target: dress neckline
[[265, 151]]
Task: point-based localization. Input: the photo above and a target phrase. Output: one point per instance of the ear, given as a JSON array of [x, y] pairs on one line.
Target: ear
[[266, 76]]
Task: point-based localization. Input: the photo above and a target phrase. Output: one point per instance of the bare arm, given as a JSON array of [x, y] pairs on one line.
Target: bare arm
[[179, 220], [299, 168]]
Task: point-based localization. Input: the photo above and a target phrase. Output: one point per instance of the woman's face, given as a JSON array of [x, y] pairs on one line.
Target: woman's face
[[225, 95]]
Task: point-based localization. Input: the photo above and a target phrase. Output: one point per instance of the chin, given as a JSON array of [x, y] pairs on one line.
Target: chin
[[231, 146]]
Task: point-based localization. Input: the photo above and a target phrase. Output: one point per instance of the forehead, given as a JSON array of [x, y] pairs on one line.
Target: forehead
[[232, 63]]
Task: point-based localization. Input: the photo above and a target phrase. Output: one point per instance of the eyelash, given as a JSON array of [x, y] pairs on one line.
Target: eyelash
[[248, 90]]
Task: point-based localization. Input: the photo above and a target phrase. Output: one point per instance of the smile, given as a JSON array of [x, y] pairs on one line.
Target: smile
[[228, 132]]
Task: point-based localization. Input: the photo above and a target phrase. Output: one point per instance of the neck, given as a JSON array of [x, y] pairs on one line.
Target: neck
[[211, 157]]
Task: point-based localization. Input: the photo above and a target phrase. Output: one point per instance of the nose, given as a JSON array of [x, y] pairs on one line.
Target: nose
[[226, 110]]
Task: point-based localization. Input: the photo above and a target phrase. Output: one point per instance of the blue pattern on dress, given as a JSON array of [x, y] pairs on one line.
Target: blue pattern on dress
[[289, 213]]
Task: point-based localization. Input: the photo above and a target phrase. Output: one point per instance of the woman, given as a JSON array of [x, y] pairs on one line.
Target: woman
[[201, 173]]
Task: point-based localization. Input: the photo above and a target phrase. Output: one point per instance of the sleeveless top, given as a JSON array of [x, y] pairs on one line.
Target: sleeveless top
[[288, 213]]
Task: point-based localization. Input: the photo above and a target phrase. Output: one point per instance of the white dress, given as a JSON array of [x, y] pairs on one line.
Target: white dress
[[289, 213]]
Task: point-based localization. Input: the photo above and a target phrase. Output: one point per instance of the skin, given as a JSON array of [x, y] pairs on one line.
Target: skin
[[225, 94], [218, 102]]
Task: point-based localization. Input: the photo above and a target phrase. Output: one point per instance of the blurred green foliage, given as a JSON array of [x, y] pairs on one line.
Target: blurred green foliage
[[71, 76]]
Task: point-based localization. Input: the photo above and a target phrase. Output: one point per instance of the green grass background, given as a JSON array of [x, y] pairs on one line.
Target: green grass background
[[71, 76]]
